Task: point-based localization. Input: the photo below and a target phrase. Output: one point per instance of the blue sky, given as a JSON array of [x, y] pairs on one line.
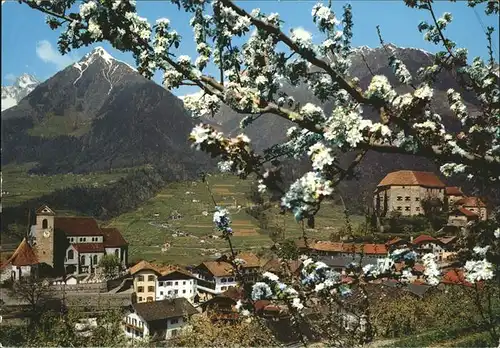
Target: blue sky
[[29, 45]]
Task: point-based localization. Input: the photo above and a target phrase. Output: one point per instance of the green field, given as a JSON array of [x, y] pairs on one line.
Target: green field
[[21, 186], [53, 125], [150, 226]]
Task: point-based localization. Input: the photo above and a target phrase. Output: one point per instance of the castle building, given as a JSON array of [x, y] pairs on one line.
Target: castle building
[[403, 191]]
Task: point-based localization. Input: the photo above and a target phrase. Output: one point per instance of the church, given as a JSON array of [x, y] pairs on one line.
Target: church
[[62, 245]]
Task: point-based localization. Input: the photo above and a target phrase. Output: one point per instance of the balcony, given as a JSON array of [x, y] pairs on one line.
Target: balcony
[[132, 326]]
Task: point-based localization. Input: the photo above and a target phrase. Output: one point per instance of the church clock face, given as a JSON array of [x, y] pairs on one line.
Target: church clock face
[[46, 234]]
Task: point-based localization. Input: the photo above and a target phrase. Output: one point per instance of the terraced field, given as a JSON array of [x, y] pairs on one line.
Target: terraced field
[[19, 186], [154, 234]]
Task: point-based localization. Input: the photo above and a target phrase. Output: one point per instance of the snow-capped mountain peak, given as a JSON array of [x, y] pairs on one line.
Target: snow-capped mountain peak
[[110, 66], [26, 80], [22, 86]]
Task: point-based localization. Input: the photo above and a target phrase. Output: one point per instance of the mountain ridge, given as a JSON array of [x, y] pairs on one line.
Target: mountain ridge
[[98, 114], [22, 86]]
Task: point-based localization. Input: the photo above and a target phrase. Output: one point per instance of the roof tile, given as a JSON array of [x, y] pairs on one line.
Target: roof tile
[[423, 238], [77, 226], [471, 202], [143, 265], [24, 255], [453, 191], [412, 178], [113, 238], [219, 268], [89, 247]]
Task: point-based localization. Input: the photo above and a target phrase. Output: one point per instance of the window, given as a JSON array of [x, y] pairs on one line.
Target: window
[[400, 198], [230, 280], [417, 208], [95, 260], [82, 260], [417, 199], [82, 239], [184, 283], [223, 280], [117, 253], [140, 278], [161, 293], [45, 223], [151, 288], [150, 299], [174, 333], [151, 278], [169, 283], [160, 283], [176, 292], [174, 321], [139, 299], [71, 254], [400, 208], [176, 283], [223, 288], [140, 289], [407, 208], [183, 291], [407, 198]]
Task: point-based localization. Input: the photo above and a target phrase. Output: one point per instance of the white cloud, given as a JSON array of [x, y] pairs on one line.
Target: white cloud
[[49, 54], [10, 77]]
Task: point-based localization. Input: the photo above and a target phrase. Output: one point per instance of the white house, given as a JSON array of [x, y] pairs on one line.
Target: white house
[[214, 277], [176, 282], [22, 263], [158, 320]]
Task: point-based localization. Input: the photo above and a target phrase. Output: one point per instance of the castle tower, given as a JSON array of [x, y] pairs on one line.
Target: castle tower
[[44, 235]]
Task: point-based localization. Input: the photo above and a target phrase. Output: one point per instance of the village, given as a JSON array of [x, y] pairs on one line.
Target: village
[[158, 300]]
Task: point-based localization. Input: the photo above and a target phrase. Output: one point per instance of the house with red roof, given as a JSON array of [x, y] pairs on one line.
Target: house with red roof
[[453, 194], [474, 205], [460, 217], [403, 191], [74, 243], [424, 244], [23, 263]]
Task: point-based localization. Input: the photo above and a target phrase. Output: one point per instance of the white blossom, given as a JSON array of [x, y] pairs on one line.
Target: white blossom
[[497, 233], [271, 276], [301, 37], [87, 9], [296, 303], [478, 270], [225, 166], [431, 272], [320, 155], [481, 251]]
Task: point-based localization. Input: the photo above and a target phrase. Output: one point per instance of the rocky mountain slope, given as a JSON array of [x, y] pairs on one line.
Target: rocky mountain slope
[[270, 129], [23, 85], [98, 114]]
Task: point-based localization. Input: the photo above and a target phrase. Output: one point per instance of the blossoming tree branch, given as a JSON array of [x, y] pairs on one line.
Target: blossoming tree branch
[[251, 79]]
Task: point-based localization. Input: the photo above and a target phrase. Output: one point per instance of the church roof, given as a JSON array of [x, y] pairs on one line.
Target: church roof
[[77, 226]]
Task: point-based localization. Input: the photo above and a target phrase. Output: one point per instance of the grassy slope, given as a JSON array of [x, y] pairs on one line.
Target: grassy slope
[[142, 228], [22, 186]]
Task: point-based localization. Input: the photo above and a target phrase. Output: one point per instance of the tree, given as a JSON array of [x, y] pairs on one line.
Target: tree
[[204, 333], [250, 80], [110, 265], [34, 292], [433, 210]]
